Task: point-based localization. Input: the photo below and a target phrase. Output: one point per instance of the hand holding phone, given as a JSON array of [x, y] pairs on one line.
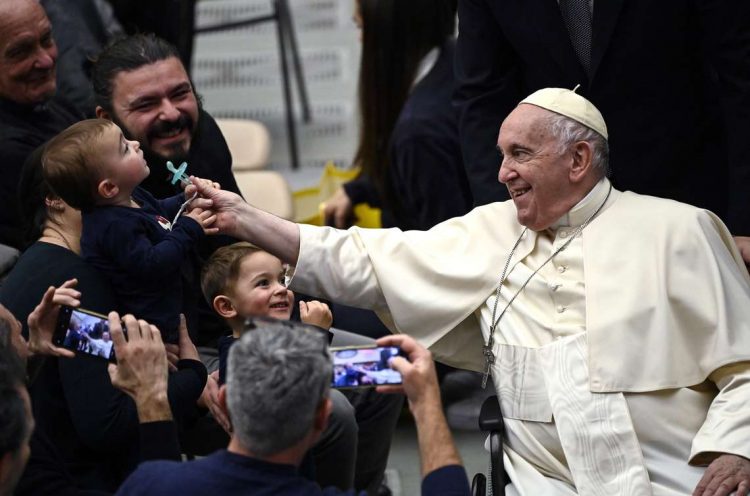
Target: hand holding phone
[[84, 331], [43, 320], [420, 382], [141, 371], [364, 366]]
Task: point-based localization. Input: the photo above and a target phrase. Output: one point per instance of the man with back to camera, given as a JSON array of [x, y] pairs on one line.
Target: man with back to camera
[[272, 432], [615, 325]]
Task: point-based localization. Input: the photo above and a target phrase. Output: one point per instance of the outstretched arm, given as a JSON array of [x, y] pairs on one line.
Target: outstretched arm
[[236, 218]]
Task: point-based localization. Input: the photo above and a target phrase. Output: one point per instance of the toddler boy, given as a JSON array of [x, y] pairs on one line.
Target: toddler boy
[[241, 281], [126, 232]]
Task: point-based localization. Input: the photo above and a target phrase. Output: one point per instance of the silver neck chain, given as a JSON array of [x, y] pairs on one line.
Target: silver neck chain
[[489, 346]]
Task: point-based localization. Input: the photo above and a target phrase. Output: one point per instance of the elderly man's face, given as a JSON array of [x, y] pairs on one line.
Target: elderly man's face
[[533, 169], [155, 105], [27, 52]]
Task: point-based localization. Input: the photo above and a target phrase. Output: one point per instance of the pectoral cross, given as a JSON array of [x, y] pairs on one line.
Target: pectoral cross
[[489, 357]]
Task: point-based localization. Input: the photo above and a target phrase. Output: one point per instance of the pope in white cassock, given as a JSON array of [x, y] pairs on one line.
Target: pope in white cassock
[[616, 327]]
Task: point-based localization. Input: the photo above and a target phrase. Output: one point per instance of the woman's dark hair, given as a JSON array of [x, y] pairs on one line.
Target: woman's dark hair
[[396, 35], [126, 53], [32, 192]]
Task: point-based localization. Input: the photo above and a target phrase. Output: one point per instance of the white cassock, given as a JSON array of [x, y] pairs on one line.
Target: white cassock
[[621, 367]]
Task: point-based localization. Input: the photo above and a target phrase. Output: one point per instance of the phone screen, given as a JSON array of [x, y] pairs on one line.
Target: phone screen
[[364, 367], [84, 332]]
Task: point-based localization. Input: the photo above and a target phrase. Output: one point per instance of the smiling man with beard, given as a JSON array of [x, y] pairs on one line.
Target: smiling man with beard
[[140, 84]]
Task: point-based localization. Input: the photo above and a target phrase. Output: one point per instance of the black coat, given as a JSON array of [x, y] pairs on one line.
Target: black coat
[[22, 130], [671, 78]]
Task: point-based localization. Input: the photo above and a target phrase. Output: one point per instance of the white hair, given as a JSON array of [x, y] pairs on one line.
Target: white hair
[[567, 131]]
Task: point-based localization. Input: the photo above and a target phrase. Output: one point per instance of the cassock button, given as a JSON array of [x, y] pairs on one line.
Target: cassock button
[[563, 233], [561, 269], [560, 309], [554, 287]]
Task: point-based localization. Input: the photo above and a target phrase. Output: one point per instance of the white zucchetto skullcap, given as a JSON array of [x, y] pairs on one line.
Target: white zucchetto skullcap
[[570, 104]]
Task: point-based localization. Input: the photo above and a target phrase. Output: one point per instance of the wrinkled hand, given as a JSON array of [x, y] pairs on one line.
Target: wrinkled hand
[[205, 218], [724, 475], [338, 210], [420, 382], [315, 313], [43, 320], [743, 244], [224, 204], [190, 189], [210, 400], [141, 370]]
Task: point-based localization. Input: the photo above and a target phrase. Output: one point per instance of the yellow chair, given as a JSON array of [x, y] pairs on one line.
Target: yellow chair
[[308, 202]]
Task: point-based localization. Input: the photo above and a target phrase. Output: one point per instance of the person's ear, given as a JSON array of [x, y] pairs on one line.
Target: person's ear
[[322, 414], [583, 154], [102, 114], [107, 189], [224, 307]]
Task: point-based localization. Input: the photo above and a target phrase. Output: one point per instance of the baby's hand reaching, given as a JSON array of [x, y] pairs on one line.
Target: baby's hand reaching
[[205, 218], [315, 313]]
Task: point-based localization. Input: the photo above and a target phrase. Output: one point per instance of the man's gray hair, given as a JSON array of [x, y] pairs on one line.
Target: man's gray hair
[[277, 376], [567, 131]]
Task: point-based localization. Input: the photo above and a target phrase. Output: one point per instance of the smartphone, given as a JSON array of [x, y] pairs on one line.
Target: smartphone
[[84, 331], [364, 366]]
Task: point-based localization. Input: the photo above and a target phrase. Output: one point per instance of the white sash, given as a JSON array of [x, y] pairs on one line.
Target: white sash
[[595, 429]]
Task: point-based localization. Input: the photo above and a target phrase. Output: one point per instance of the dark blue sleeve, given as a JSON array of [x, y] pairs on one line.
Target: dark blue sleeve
[[170, 206], [185, 387], [446, 481], [129, 246]]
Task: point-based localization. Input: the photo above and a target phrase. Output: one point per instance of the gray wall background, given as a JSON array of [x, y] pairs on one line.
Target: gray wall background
[[238, 74]]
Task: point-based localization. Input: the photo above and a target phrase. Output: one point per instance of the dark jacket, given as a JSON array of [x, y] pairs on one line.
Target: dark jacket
[[426, 182], [22, 130], [94, 427], [671, 78]]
